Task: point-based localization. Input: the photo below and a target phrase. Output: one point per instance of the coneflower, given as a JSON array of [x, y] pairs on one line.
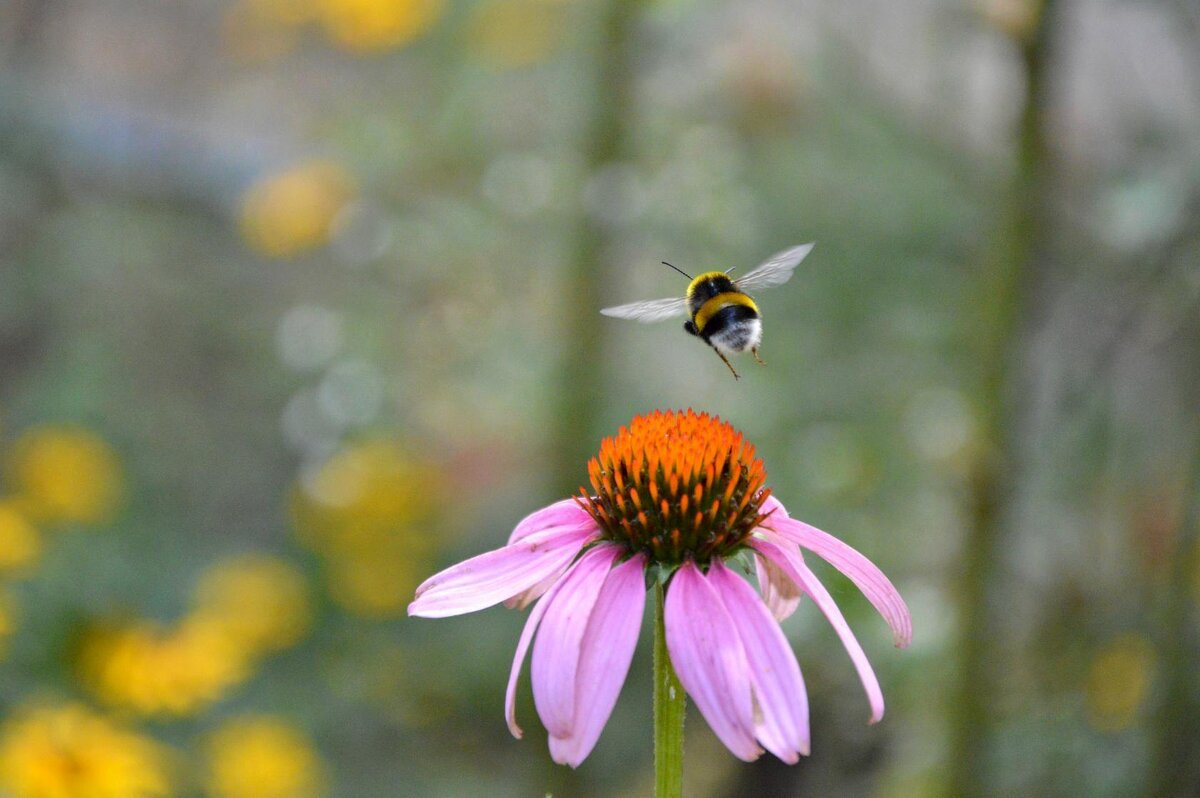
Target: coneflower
[[673, 497]]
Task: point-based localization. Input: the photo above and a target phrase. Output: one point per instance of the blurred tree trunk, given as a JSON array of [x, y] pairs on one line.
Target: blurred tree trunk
[[604, 142], [24, 311], [1018, 250], [581, 389], [1175, 767]]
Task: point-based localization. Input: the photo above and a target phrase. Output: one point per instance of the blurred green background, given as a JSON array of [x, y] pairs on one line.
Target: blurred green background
[[298, 304]]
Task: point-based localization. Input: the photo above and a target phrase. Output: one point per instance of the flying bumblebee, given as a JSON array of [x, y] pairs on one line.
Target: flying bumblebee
[[720, 311]]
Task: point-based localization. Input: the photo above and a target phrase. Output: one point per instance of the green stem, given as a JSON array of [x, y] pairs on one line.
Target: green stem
[[670, 705], [1012, 271]]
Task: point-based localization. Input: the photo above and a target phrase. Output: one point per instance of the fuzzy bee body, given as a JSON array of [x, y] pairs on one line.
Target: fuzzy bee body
[[719, 310], [722, 315]]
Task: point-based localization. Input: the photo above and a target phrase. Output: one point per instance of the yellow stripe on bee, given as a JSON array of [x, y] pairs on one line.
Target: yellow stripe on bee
[[712, 306]]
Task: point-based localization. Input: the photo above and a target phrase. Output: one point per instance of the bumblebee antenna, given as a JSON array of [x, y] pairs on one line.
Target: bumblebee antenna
[[676, 268]]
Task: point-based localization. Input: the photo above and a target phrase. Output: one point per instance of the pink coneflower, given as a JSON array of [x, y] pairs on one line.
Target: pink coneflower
[[674, 496]]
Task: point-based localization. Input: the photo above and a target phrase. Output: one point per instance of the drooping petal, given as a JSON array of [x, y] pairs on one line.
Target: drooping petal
[[773, 508], [709, 658], [557, 648], [514, 674], [527, 597], [494, 576], [606, 651], [562, 513], [774, 673], [565, 513], [862, 572], [779, 592], [794, 566]]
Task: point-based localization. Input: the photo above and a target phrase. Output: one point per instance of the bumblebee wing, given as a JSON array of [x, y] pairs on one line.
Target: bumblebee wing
[[776, 271], [650, 310]]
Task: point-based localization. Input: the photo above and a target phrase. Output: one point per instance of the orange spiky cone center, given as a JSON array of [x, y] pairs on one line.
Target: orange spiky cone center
[[677, 485]]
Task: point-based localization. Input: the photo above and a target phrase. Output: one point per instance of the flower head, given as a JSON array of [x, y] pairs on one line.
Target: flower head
[[673, 496]]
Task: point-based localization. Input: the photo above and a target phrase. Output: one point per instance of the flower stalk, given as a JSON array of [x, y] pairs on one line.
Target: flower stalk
[[670, 706]]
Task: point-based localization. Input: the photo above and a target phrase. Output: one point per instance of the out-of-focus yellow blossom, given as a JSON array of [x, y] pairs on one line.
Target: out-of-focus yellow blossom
[[262, 757], [292, 212], [374, 584], [1016, 18], [20, 543], [69, 751], [373, 25], [8, 621], [261, 602], [179, 671], [1118, 681], [64, 473], [517, 33], [363, 495], [367, 513]]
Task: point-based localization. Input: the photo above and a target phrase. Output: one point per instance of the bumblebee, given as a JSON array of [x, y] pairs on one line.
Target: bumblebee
[[720, 311]]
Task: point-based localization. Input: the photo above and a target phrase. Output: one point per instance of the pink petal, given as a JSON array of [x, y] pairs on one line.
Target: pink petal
[[774, 673], [531, 625], [794, 567], [562, 513], [527, 597], [607, 650], [774, 508], [496, 575], [557, 649], [565, 513], [781, 594], [862, 572], [708, 656]]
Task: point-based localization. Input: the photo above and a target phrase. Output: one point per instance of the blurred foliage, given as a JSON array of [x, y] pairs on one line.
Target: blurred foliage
[[291, 292]]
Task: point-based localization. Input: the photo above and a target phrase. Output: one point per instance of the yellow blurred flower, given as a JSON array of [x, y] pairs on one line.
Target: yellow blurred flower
[[374, 584], [152, 671], [262, 757], [64, 473], [517, 33], [68, 751], [1015, 18], [367, 513], [262, 602], [1118, 681], [292, 212], [20, 543], [8, 620], [372, 25], [363, 495]]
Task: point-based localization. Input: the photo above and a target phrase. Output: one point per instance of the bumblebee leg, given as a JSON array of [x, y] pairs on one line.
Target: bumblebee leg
[[757, 359], [736, 376]]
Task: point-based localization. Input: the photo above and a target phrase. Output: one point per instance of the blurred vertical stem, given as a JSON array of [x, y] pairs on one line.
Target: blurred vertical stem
[[1175, 769], [1018, 243], [670, 706], [604, 142]]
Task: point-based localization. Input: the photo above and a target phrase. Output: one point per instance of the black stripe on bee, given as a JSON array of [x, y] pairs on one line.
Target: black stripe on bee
[[725, 318]]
